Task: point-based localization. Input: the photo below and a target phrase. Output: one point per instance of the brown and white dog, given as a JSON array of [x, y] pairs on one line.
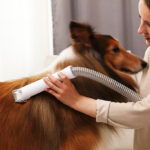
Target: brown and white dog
[[43, 123]]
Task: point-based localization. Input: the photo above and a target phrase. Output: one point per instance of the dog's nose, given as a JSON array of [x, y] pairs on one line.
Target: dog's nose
[[143, 64]]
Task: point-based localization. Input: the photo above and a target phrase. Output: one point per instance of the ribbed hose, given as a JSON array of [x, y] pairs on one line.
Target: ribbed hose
[[107, 81]]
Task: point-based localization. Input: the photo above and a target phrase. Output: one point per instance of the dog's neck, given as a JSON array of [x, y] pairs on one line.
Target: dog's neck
[[70, 54], [116, 75]]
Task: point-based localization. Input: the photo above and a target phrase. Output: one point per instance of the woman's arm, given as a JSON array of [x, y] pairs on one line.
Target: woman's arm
[[126, 115]]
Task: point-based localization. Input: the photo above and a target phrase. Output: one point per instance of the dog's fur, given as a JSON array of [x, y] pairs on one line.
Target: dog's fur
[[43, 123]]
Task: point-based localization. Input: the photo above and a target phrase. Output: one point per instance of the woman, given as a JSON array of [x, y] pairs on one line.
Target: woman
[[128, 115]]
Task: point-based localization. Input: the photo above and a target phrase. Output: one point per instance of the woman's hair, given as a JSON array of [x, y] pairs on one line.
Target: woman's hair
[[147, 2]]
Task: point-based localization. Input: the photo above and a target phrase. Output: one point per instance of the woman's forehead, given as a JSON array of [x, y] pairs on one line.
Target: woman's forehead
[[144, 11]]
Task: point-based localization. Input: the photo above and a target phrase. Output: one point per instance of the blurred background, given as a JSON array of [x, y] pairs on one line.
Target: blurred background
[[25, 36], [33, 30], [119, 18]]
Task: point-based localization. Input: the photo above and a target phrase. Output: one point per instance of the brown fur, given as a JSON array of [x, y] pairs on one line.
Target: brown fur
[[43, 123]]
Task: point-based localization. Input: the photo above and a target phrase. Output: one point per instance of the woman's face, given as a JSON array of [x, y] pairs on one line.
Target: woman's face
[[144, 28]]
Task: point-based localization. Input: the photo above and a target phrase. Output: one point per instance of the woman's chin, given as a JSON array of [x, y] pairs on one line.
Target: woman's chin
[[148, 42]]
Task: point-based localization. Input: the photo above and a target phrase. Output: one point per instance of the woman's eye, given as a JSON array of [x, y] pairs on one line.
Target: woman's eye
[[116, 49], [148, 24]]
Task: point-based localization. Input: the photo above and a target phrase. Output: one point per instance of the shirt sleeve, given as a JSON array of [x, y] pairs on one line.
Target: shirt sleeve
[[126, 115]]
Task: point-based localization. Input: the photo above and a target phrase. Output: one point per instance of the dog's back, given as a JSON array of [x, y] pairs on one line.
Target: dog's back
[[43, 123]]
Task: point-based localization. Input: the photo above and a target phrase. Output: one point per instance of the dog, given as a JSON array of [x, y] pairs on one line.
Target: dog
[[43, 123]]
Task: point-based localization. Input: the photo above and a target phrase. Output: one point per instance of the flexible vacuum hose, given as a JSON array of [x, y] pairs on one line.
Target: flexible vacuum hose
[[23, 94], [107, 81]]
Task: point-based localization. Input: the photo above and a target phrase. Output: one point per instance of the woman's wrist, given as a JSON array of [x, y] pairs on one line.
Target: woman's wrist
[[85, 105]]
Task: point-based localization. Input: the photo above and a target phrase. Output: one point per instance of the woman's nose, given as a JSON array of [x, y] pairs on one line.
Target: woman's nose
[[141, 29]]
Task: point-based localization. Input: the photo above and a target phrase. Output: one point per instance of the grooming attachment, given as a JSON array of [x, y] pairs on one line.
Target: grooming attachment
[[23, 94]]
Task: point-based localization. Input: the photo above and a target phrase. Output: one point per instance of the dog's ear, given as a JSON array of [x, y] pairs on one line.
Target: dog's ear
[[81, 33]]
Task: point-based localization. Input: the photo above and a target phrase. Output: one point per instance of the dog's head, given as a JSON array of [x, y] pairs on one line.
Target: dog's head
[[104, 48]]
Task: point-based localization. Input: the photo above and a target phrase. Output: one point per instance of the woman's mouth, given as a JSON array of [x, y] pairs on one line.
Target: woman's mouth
[[147, 38]]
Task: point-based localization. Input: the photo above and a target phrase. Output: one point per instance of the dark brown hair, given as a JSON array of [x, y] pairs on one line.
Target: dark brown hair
[[147, 2]]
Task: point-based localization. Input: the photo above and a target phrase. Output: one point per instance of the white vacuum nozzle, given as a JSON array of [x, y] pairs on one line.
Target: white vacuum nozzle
[[23, 94]]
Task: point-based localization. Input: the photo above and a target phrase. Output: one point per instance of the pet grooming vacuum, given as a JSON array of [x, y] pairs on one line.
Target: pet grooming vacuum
[[23, 94]]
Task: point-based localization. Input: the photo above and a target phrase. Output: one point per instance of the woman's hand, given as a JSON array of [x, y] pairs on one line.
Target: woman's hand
[[63, 90]]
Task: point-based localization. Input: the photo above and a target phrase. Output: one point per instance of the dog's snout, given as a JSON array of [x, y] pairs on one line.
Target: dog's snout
[[143, 64]]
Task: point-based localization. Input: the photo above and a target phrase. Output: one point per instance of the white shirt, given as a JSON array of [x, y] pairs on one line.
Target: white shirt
[[134, 115]]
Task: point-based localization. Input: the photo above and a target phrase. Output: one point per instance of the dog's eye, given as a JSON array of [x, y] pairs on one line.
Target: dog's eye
[[116, 49]]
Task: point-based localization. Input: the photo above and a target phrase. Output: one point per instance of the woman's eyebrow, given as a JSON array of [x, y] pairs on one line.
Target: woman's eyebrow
[[147, 22]]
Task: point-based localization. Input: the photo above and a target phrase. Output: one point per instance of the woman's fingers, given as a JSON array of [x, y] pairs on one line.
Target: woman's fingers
[[55, 81], [55, 84], [63, 77], [52, 83]]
